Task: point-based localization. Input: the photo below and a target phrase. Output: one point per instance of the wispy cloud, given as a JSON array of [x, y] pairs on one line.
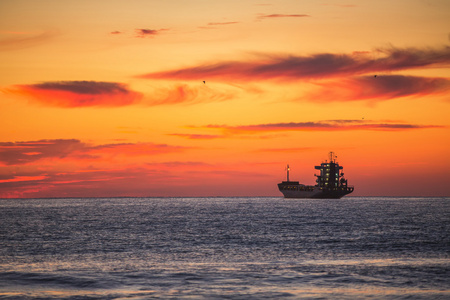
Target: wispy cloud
[[23, 179], [197, 136], [187, 94], [25, 40], [70, 167], [71, 94], [213, 25], [133, 149], [378, 88], [79, 93], [93, 182], [270, 16], [326, 125], [178, 164], [221, 23], [18, 153], [288, 150], [140, 180], [316, 66], [340, 5], [145, 32]]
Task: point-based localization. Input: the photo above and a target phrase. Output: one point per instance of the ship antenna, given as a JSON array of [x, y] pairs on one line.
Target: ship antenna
[[287, 172], [331, 156]]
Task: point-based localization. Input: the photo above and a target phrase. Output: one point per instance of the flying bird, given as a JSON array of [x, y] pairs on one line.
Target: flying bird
[[204, 82]]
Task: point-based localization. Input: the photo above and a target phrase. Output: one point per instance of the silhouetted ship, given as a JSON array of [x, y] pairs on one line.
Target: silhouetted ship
[[330, 183]]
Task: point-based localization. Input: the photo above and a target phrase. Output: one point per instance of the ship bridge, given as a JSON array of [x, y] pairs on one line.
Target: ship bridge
[[330, 176]]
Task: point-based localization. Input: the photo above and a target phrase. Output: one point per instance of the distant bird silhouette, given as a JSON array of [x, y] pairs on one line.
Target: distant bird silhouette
[[373, 76], [204, 82]]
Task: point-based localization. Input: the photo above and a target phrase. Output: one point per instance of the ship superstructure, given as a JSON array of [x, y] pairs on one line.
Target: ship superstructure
[[330, 183]]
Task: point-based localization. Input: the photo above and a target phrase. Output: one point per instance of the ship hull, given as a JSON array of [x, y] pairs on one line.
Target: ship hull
[[315, 192]]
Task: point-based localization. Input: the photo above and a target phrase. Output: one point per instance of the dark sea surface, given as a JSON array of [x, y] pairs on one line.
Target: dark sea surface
[[225, 248]]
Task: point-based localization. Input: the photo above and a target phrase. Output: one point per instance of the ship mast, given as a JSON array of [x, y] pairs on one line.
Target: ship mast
[[287, 172]]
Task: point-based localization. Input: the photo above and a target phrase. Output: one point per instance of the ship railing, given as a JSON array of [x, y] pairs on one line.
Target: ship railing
[[346, 187]]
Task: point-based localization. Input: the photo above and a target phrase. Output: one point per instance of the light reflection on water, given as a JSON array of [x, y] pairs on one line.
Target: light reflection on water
[[244, 248]]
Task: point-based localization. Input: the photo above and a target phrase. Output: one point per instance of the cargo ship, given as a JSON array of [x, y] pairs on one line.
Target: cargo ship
[[330, 183]]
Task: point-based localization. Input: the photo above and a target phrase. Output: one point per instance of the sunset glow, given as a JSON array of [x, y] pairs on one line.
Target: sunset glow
[[212, 98]]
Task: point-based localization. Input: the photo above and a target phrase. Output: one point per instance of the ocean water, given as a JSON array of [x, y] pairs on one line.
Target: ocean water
[[225, 248]]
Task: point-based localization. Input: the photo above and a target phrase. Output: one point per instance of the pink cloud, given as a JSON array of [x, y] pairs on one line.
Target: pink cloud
[[378, 88], [18, 153], [80, 93], [23, 178], [71, 94], [186, 94]]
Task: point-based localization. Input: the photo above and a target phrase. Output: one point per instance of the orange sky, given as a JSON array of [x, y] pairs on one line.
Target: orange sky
[[214, 98]]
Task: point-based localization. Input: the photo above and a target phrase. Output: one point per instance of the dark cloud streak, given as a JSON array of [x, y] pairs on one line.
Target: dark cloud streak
[[271, 16], [316, 66], [378, 88], [327, 125], [83, 87], [144, 32]]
